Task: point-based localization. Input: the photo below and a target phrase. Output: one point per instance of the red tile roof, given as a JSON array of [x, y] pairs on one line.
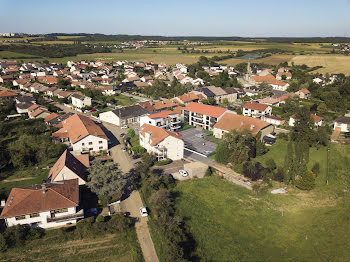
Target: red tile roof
[[157, 134], [163, 114], [305, 91], [5, 93], [40, 198], [255, 106], [208, 110]]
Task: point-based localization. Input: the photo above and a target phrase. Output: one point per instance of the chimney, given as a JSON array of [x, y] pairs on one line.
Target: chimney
[[44, 189], [252, 127]]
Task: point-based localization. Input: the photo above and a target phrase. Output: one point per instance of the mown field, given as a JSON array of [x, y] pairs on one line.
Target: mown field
[[330, 63], [230, 223], [123, 247]]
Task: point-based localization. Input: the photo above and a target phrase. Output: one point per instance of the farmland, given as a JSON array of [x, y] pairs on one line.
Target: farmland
[[330, 63]]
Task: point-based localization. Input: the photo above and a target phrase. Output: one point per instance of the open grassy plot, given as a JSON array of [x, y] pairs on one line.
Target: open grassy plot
[[13, 55], [230, 223], [331, 63], [113, 247], [123, 100]]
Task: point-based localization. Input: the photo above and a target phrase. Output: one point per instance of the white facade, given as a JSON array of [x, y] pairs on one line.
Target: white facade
[[90, 143], [343, 126], [257, 113], [110, 117], [172, 123], [47, 219], [275, 122], [280, 87], [292, 121], [80, 103], [171, 147]]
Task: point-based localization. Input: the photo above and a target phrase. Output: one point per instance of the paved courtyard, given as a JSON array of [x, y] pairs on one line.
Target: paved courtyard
[[196, 143]]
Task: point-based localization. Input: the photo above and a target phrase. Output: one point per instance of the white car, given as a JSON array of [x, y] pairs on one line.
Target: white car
[[124, 149], [183, 173], [143, 212], [125, 127], [200, 135]]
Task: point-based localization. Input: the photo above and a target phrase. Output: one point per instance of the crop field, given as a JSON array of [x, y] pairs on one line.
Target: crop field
[[271, 60], [13, 55], [331, 63]]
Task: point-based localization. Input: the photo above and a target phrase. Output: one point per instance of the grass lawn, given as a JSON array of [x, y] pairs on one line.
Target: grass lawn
[[123, 100], [230, 223], [113, 247], [14, 55]]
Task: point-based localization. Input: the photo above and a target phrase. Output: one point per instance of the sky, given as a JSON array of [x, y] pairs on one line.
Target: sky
[[246, 18]]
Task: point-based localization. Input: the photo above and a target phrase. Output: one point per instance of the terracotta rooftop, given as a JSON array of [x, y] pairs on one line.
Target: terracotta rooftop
[[305, 91], [163, 114], [50, 117], [255, 106], [208, 110], [72, 162], [239, 123], [165, 104], [157, 134], [40, 198], [188, 97], [77, 127], [5, 93]]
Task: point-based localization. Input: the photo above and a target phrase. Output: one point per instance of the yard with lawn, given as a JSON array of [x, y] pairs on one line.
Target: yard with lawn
[[230, 223]]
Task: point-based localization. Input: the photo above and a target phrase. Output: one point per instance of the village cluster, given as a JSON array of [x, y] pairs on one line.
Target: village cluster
[[158, 122]]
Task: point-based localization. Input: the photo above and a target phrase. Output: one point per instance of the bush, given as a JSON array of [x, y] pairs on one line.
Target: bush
[[209, 171], [306, 181], [316, 168], [100, 219], [118, 224], [162, 162], [279, 175], [283, 136], [3, 244]]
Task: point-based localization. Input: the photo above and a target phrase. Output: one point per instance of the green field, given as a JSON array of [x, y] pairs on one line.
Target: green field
[[230, 223], [13, 55]]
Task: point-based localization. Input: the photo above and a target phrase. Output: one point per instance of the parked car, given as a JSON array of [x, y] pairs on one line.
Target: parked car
[[93, 110], [143, 212], [125, 127], [207, 152], [135, 156], [200, 135], [186, 144], [183, 173], [90, 212], [124, 149], [122, 134], [98, 122], [137, 163]]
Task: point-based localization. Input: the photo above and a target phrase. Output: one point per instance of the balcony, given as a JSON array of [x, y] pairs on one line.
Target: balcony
[[174, 127], [176, 121], [198, 117], [77, 215]]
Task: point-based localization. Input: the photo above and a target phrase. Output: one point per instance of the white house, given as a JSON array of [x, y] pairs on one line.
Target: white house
[[256, 109], [45, 206], [124, 115], [82, 134], [318, 121], [162, 143], [70, 166], [342, 123], [274, 120], [80, 101], [165, 119]]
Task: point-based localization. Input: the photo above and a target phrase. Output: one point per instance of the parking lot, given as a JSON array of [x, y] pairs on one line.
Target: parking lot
[[194, 142]]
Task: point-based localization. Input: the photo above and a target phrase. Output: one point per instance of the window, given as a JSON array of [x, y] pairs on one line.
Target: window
[[91, 149], [34, 215], [101, 147], [100, 142], [83, 144], [90, 143], [61, 210], [20, 217]]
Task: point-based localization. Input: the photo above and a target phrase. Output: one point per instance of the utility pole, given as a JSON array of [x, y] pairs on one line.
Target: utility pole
[[327, 174]]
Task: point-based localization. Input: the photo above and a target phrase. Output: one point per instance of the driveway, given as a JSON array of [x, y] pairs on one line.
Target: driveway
[[196, 143]]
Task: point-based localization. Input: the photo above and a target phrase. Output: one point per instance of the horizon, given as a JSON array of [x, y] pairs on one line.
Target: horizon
[[183, 19]]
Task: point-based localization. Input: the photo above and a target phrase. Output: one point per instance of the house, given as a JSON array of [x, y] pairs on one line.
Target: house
[[50, 117], [271, 80], [288, 75], [25, 99], [166, 104], [202, 116], [161, 142], [40, 112], [256, 110], [218, 93], [269, 101], [240, 123], [22, 108], [303, 94], [70, 166], [274, 120], [6, 78], [45, 206], [7, 94], [57, 122], [165, 119], [82, 134], [318, 121], [342, 123], [124, 115], [63, 94], [80, 101], [52, 91], [187, 98]]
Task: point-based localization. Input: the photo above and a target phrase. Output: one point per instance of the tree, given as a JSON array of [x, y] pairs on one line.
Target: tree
[[305, 181], [225, 103], [303, 130], [106, 180], [3, 244], [131, 133], [322, 109], [270, 164], [316, 168], [222, 153], [288, 164]]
